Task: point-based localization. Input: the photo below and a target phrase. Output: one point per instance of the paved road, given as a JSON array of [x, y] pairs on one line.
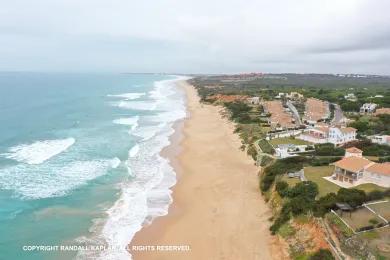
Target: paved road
[[338, 115], [295, 112]]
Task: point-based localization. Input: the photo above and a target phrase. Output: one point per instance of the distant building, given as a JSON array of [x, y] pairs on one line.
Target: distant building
[[380, 139], [294, 96], [353, 151], [290, 150], [368, 108], [350, 97], [280, 95], [253, 100], [325, 134]]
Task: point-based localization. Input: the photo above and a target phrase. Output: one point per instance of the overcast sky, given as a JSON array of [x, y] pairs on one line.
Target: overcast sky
[[209, 36]]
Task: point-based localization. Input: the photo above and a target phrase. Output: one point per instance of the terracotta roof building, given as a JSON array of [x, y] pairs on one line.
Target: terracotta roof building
[[356, 170], [382, 111], [279, 118], [316, 110]]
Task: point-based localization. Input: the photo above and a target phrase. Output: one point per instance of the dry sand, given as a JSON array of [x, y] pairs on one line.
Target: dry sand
[[217, 210]]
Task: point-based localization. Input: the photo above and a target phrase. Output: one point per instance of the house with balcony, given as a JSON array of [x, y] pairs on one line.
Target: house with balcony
[[350, 169], [354, 170]]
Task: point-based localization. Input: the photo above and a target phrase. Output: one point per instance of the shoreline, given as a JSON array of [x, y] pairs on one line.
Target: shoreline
[[217, 209]]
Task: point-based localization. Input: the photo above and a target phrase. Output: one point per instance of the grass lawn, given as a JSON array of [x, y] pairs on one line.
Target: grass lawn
[[369, 187], [317, 173], [291, 181], [360, 218], [382, 209], [287, 140]]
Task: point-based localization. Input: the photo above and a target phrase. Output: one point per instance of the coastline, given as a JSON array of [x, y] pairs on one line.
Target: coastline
[[217, 210]]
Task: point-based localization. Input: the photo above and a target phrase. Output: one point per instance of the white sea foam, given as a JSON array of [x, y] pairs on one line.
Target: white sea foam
[[147, 132], [136, 105], [52, 180], [128, 96], [147, 195], [132, 121], [39, 151], [134, 150]]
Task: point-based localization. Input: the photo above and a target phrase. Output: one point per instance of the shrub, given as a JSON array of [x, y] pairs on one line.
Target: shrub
[[306, 189], [328, 149], [282, 188], [322, 254], [324, 204], [373, 221], [283, 217], [252, 152], [375, 195], [365, 228]]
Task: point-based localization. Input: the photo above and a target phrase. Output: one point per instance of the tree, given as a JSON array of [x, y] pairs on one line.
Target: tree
[[353, 197], [306, 189], [324, 204]]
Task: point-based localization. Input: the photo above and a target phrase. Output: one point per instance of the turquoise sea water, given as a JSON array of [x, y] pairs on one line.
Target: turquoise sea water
[[79, 161]]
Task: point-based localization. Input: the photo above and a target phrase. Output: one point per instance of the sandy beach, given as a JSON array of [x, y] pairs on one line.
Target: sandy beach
[[218, 211]]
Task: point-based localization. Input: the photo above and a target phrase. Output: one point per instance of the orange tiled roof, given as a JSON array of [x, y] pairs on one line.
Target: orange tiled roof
[[278, 114], [381, 111], [347, 129], [353, 150], [353, 163], [315, 109], [381, 168]]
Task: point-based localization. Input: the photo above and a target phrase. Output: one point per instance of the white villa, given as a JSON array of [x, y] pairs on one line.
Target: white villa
[[253, 100], [354, 170], [329, 134], [368, 108], [350, 97], [380, 139]]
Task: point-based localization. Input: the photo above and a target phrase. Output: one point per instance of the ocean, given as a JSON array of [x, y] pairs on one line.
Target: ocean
[[80, 163]]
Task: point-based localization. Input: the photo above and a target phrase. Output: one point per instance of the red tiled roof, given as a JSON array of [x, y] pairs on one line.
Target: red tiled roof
[[353, 150], [353, 163], [380, 168]]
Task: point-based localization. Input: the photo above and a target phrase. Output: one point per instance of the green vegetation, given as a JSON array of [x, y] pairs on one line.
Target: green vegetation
[[286, 230], [301, 200], [265, 160], [316, 175], [335, 220], [279, 168], [370, 235], [328, 149], [322, 254], [288, 140], [371, 125], [290, 181], [239, 112], [265, 146], [249, 133]]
